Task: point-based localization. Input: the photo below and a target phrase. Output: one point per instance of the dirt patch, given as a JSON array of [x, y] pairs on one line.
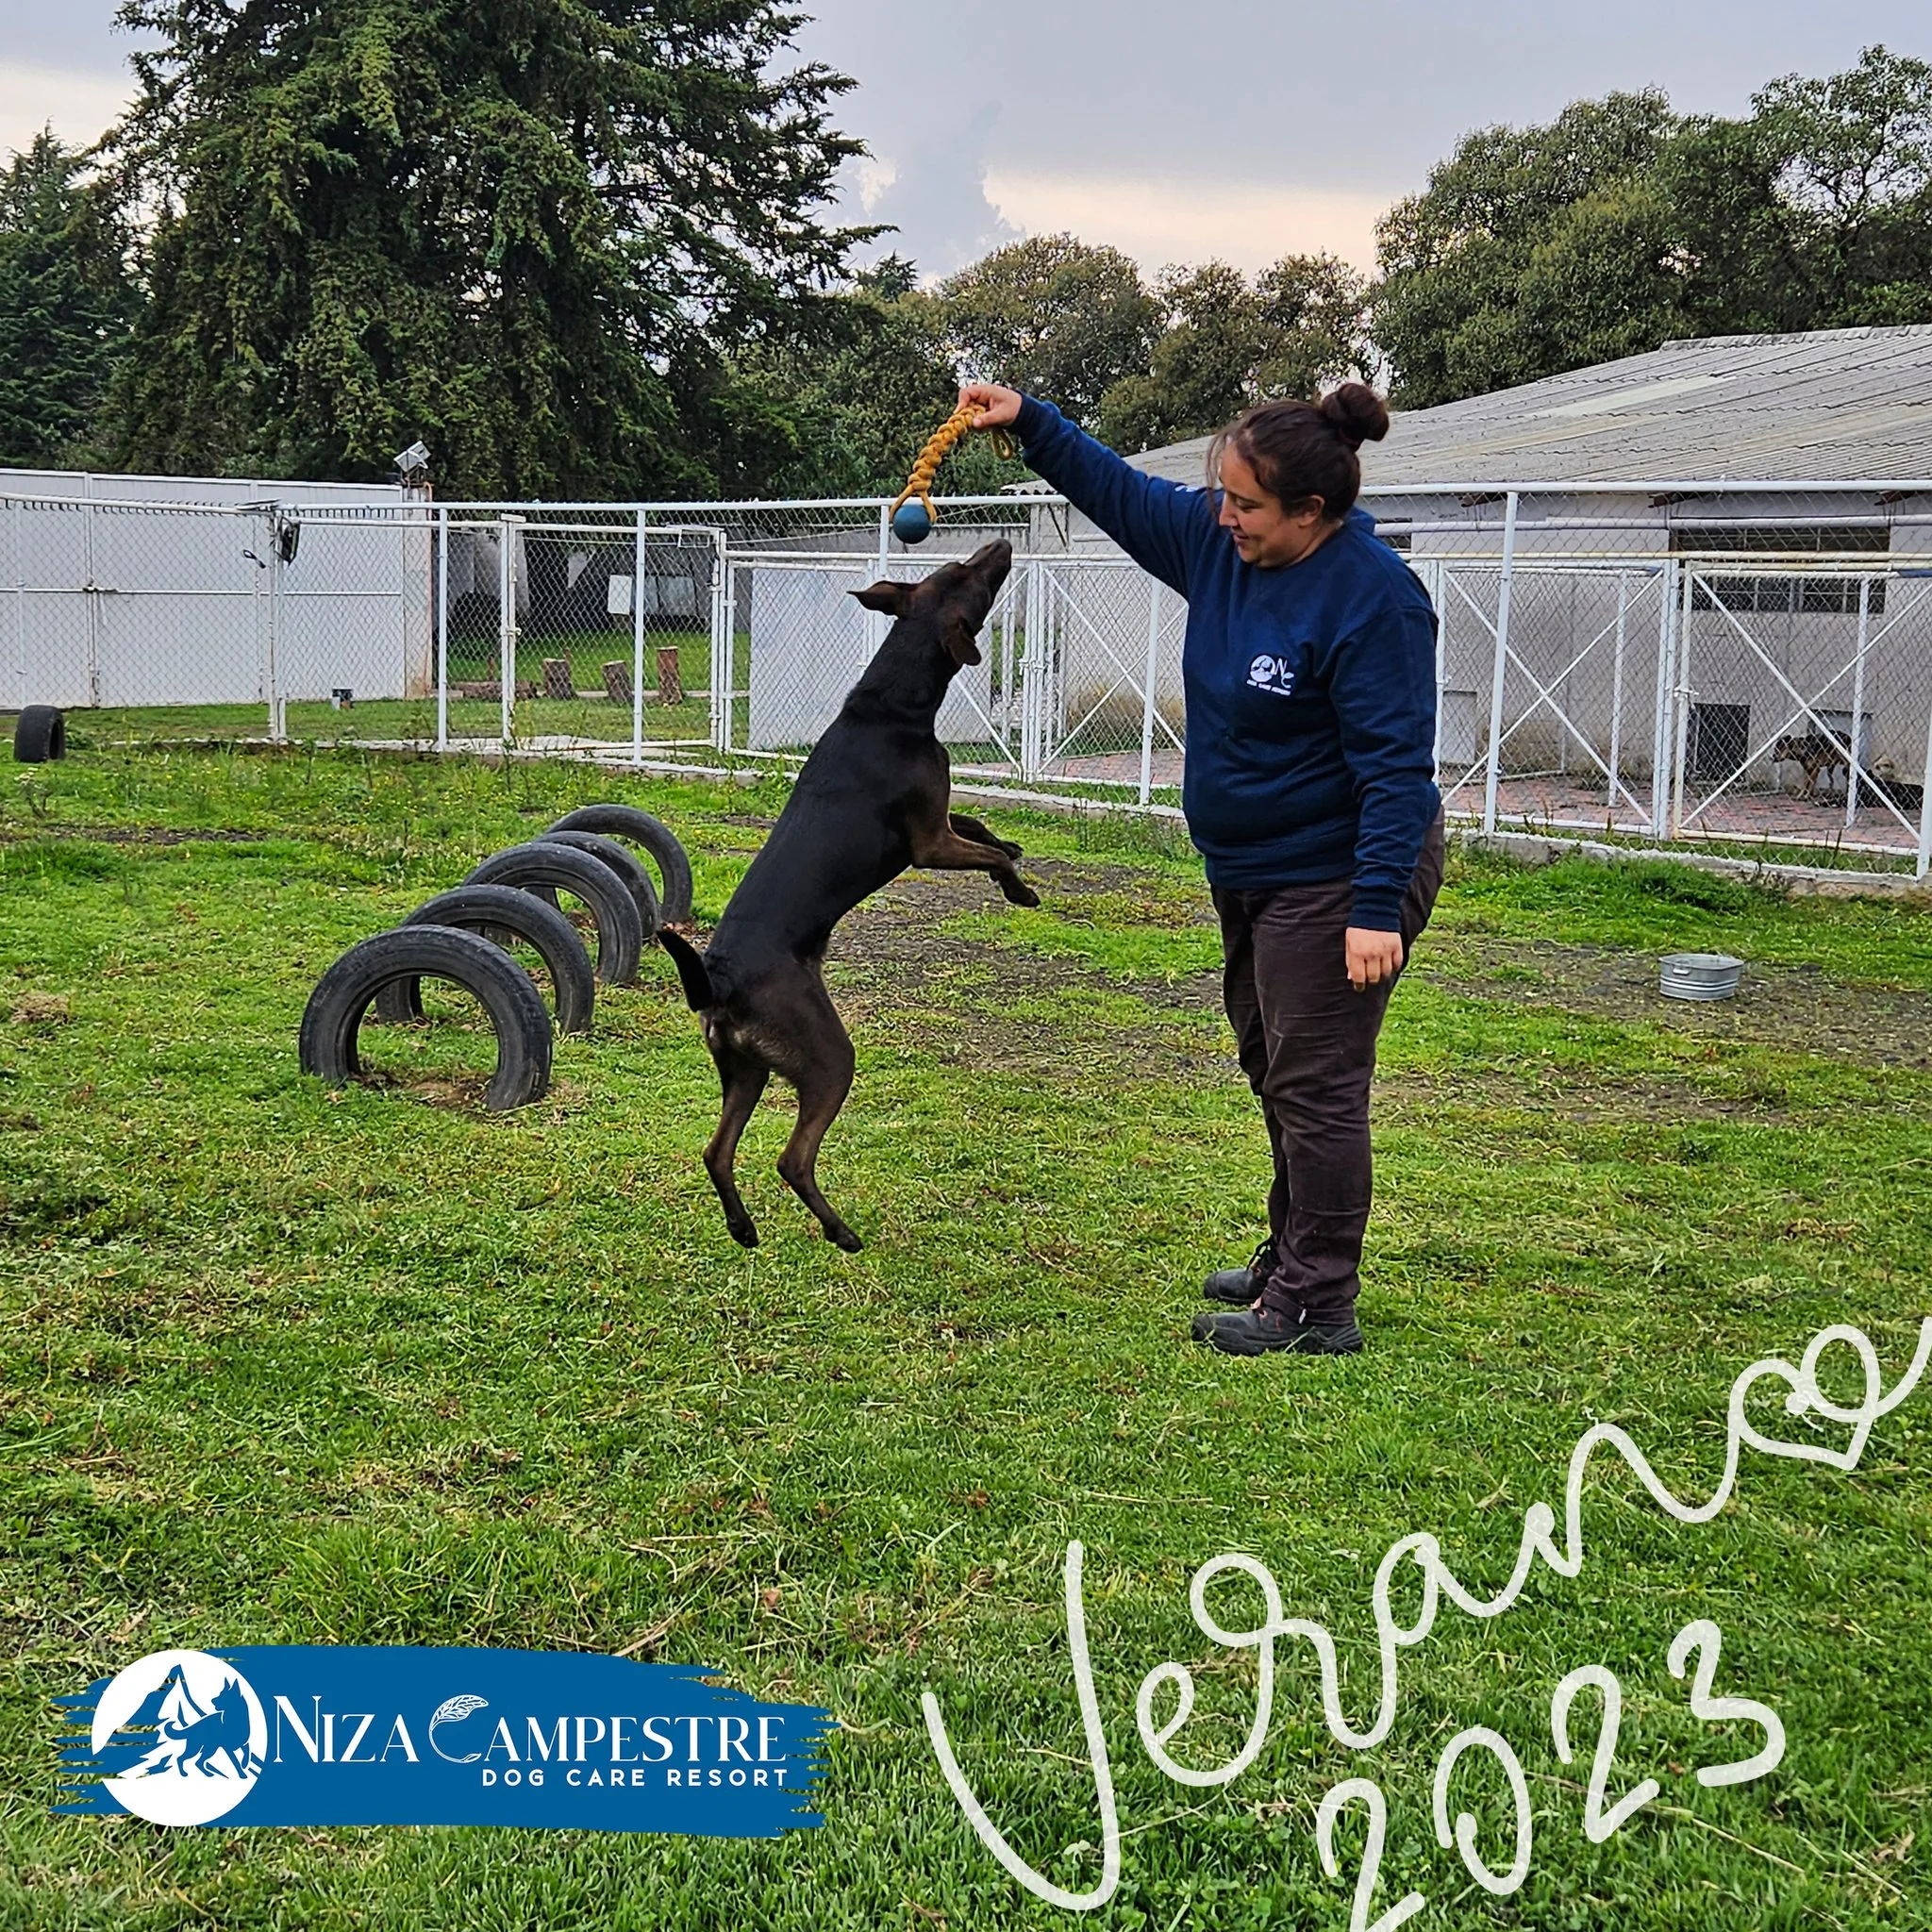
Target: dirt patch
[[1796, 1009], [894, 974], [163, 835]]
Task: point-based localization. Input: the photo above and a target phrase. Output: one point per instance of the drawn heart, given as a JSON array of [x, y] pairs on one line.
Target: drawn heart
[[1805, 1397]]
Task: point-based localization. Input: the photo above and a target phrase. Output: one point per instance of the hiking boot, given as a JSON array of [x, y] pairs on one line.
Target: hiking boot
[[1239, 1286], [1260, 1331]]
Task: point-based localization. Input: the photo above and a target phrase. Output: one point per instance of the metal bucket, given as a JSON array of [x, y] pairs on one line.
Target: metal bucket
[[1699, 975]]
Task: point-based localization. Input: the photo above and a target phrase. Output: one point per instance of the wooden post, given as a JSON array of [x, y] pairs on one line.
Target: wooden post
[[617, 681], [557, 681], [670, 681]]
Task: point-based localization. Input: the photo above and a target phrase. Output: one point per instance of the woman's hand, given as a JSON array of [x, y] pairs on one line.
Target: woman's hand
[[1002, 406], [1372, 956]]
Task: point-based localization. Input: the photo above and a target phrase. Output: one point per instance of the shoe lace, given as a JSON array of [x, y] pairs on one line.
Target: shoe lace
[[1264, 1263]]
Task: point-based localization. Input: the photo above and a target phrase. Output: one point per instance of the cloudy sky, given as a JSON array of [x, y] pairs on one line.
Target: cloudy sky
[[1240, 128]]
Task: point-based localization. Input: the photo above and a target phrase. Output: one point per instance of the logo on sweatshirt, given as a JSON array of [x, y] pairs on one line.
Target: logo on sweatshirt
[[1271, 673]]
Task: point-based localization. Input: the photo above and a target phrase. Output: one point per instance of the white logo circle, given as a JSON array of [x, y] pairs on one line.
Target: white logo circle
[[1262, 670], [203, 1729]]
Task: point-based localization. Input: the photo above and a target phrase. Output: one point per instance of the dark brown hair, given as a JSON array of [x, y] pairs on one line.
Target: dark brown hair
[[1298, 450]]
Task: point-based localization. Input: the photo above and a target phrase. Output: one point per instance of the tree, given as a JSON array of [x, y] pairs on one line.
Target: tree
[[1530, 251], [1052, 316], [859, 382], [66, 307], [1618, 226], [1816, 211], [523, 230], [1228, 342]]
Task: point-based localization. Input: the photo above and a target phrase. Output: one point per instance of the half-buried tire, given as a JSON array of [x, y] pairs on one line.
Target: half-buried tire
[[503, 913], [40, 733], [517, 1014], [658, 841], [563, 868], [621, 860]]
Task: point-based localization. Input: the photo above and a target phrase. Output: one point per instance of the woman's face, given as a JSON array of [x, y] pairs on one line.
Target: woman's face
[[1264, 533]]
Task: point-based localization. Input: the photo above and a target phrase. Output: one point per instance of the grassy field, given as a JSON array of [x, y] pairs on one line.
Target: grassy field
[[278, 1365]]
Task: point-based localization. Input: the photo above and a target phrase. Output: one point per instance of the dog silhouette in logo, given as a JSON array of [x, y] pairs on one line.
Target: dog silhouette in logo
[[224, 1726]]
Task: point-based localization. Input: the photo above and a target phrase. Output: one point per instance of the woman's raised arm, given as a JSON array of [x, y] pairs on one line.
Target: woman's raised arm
[[1159, 525]]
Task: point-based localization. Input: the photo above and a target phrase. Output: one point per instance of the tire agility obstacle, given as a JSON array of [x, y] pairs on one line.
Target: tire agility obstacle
[[346, 992], [501, 913]]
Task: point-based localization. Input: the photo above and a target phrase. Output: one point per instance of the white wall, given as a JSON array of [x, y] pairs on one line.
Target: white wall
[[113, 595]]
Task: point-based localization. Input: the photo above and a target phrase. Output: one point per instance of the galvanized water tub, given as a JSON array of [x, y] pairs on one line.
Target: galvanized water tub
[[1699, 975]]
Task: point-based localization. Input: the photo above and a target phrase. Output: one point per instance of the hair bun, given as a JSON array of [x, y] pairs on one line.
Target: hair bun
[[1357, 413]]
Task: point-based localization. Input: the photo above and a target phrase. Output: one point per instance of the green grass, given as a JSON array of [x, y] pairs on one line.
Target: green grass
[[590, 715], [280, 1365]]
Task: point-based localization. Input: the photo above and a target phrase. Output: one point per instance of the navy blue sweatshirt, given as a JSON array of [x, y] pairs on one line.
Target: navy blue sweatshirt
[[1310, 687]]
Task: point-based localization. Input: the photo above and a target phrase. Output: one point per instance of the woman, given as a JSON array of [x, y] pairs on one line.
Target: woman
[[1310, 670]]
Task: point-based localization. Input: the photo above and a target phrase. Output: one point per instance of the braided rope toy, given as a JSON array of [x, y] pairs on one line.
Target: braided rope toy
[[912, 512]]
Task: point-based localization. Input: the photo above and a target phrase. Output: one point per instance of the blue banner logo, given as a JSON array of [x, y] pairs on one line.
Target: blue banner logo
[[284, 1733]]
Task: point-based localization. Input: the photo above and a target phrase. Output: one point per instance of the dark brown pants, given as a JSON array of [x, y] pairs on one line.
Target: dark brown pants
[[1307, 1041]]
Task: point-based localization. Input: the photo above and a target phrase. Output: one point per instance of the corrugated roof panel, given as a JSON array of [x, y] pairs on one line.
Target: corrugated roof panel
[[1793, 408]]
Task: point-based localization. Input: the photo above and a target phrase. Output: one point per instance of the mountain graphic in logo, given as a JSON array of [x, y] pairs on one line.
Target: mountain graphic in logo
[[1271, 673], [181, 1737]]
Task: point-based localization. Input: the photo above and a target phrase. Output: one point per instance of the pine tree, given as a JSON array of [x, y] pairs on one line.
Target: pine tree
[[519, 229], [66, 304]]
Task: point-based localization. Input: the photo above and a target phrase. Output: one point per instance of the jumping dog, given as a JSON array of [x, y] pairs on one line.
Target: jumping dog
[[872, 800]]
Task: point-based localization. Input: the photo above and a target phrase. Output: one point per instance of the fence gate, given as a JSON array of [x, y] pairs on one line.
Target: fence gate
[[571, 633]]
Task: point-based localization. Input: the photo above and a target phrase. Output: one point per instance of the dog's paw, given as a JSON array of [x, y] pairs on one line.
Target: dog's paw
[[1021, 895], [844, 1239], [1011, 850], [746, 1233]]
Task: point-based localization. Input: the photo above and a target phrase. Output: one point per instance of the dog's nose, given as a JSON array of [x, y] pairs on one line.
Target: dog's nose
[[994, 557]]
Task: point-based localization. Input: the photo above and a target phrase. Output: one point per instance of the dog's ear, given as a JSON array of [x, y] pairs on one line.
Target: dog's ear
[[958, 638], [886, 596]]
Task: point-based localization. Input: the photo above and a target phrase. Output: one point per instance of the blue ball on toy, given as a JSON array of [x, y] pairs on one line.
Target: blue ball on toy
[[913, 522]]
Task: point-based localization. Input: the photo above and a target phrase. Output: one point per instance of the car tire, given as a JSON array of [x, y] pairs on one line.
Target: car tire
[[501, 913], [40, 734], [345, 992], [660, 842], [620, 932]]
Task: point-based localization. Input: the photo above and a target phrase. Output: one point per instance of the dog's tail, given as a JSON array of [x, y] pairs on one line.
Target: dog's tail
[[698, 991]]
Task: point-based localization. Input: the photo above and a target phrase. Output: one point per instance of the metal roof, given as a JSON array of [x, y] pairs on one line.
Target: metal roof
[[1820, 408]]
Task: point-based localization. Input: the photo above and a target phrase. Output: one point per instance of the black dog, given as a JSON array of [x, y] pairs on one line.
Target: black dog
[[872, 800]]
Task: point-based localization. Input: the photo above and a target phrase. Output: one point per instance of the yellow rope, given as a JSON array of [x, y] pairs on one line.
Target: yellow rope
[[937, 446]]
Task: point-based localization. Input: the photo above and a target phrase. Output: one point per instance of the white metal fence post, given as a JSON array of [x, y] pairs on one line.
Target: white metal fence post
[[1147, 696], [507, 633], [1032, 674], [1660, 708], [442, 628], [277, 705], [1925, 802], [1853, 752], [722, 640], [1681, 694], [1493, 776], [1432, 567], [877, 623], [637, 641], [1616, 760], [93, 601], [20, 595]]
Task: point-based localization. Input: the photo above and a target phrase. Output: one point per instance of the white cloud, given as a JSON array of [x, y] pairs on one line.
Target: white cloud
[[81, 107], [874, 177], [1179, 220]]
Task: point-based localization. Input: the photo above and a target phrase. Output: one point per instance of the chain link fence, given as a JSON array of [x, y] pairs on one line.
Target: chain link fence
[[1685, 664], [1742, 667]]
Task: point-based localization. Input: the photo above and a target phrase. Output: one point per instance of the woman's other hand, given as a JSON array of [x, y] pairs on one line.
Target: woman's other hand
[[1002, 406], [1372, 956]]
